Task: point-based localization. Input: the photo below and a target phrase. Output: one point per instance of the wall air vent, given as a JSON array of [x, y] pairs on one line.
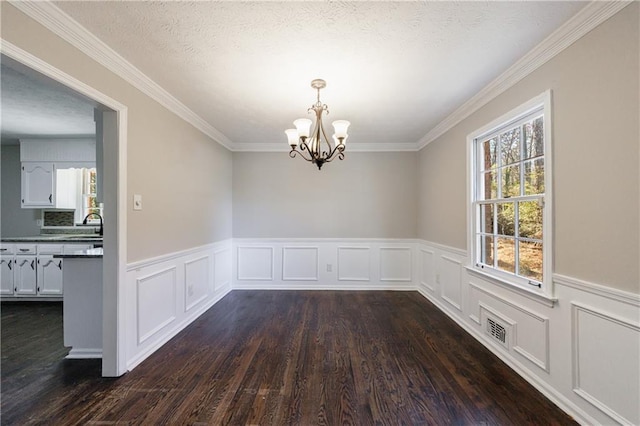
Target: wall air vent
[[497, 331]]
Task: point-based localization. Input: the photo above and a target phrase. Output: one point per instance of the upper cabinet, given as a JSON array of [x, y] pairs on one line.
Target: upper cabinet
[[41, 160], [38, 185]]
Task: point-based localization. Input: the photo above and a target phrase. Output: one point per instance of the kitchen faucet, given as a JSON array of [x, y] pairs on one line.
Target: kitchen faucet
[[84, 221]]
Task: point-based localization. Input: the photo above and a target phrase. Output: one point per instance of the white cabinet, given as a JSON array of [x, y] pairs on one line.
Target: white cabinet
[[49, 277], [25, 275], [38, 184], [6, 274]]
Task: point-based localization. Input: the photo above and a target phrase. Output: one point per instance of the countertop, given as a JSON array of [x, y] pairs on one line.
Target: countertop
[[81, 254], [55, 238]]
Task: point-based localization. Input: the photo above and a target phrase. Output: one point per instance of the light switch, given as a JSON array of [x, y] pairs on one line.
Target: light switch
[[137, 202]]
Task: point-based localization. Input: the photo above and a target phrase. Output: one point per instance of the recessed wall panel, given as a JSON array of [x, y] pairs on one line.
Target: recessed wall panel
[[300, 264], [354, 264], [255, 263], [156, 302], [196, 282], [395, 264]]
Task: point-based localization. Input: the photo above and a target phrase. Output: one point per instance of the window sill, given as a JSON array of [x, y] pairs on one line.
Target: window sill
[[529, 294]]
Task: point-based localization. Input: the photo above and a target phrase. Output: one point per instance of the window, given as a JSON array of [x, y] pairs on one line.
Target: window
[[510, 196]]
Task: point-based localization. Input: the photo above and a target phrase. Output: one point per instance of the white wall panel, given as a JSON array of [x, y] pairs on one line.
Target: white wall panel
[[165, 294], [222, 268], [300, 263], [196, 282], [395, 264], [450, 281], [606, 357], [354, 263], [255, 263], [156, 302], [427, 269]]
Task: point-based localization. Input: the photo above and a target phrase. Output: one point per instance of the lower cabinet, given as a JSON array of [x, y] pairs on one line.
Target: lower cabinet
[[25, 276], [49, 276], [31, 270], [7, 265]]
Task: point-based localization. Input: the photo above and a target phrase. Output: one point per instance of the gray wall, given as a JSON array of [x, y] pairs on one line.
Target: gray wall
[[15, 221], [183, 176], [368, 195], [595, 91]]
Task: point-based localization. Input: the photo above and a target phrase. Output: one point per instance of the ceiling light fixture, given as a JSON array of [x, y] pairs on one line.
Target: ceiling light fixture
[[313, 142]]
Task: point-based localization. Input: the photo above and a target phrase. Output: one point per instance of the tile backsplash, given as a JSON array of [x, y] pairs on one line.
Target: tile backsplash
[[58, 218]]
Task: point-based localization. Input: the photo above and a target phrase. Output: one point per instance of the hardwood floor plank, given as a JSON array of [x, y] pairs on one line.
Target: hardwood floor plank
[[275, 358]]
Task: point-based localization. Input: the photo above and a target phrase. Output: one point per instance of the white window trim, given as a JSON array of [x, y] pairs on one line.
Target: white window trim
[[545, 292]]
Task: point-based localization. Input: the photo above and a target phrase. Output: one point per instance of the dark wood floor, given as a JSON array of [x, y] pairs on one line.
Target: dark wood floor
[[272, 358]]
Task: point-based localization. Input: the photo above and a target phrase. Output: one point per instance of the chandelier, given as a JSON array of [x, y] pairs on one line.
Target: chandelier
[[314, 146]]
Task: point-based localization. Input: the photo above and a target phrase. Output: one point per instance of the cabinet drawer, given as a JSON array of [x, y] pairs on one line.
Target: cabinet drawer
[[50, 248], [25, 249], [7, 249]]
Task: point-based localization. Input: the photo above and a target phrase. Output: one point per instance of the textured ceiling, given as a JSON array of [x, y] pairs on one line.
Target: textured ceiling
[[33, 105], [394, 69]]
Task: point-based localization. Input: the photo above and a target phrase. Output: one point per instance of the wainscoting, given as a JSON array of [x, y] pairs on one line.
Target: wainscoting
[[580, 350], [167, 293], [324, 264]]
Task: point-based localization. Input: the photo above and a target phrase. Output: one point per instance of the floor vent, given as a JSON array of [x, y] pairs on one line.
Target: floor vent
[[497, 331]]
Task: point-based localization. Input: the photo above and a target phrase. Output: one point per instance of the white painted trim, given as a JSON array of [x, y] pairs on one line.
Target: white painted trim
[[284, 261], [392, 286], [536, 297], [444, 297], [273, 260], [396, 279], [143, 338], [145, 263], [240, 241], [443, 247], [575, 344], [81, 353], [542, 364], [541, 102], [141, 356], [368, 278], [598, 290], [115, 249], [188, 306], [424, 283], [584, 21], [547, 390], [61, 24]]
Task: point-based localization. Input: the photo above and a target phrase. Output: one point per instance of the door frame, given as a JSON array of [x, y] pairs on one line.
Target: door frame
[[115, 199]]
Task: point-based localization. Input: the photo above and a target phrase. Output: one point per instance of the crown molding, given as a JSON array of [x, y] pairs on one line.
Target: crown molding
[[353, 147], [580, 24], [61, 24]]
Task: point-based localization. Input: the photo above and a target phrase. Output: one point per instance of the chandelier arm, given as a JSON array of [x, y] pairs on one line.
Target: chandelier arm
[[303, 146], [332, 156]]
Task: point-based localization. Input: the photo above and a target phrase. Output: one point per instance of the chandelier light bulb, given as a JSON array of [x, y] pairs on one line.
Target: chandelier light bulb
[[304, 127], [292, 136], [341, 127]]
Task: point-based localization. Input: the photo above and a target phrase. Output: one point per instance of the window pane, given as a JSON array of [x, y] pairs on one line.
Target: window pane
[[530, 219], [511, 181], [534, 177], [488, 186], [506, 218], [489, 159], [510, 146], [534, 138], [506, 254], [486, 249], [486, 218], [530, 260]]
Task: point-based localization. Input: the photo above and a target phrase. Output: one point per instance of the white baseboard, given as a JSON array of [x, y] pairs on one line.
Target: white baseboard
[[81, 353]]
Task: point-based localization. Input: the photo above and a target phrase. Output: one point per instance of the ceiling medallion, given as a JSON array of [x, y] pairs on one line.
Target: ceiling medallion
[[311, 143]]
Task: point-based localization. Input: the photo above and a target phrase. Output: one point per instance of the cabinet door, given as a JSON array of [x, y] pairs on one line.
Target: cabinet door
[[7, 264], [25, 275], [38, 185], [49, 276]]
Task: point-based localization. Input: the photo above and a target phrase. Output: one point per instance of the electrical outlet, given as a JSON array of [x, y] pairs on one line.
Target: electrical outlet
[[329, 267], [38, 222]]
